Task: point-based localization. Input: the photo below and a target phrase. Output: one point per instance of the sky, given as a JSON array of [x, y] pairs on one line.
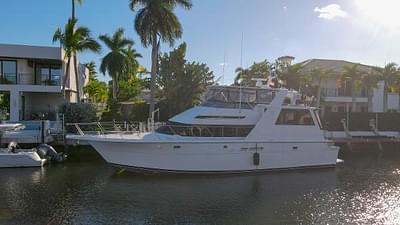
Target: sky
[[364, 31]]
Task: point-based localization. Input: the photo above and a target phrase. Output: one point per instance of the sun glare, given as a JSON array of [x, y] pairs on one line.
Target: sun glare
[[382, 13]]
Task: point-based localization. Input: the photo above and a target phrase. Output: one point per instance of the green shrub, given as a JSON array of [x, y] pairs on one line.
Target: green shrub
[[135, 112], [78, 112]]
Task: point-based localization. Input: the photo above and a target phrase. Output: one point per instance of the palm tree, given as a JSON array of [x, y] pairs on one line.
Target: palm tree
[[74, 40], [257, 70], [91, 66], [352, 75], [305, 83], [317, 76], [291, 76], [131, 66], [114, 62], [156, 22], [369, 81], [243, 77], [388, 75], [73, 7]]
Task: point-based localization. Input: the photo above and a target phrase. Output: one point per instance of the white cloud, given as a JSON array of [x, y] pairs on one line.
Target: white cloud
[[381, 17], [330, 12], [284, 8]]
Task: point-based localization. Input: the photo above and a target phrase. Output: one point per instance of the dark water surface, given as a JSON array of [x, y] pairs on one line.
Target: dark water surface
[[364, 190]]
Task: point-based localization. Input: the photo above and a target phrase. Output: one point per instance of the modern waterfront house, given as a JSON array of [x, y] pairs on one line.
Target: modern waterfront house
[[33, 77], [337, 98]]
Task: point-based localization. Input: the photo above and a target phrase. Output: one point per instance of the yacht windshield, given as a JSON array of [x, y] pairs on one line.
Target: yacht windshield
[[233, 97]]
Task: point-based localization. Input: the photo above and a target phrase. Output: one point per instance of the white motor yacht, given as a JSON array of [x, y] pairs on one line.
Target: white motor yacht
[[235, 130]]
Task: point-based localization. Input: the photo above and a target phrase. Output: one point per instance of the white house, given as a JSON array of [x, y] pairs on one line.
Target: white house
[[33, 77], [338, 98]]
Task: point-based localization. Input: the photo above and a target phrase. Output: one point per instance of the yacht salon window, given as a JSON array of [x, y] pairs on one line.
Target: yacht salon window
[[219, 117], [205, 131], [295, 117]]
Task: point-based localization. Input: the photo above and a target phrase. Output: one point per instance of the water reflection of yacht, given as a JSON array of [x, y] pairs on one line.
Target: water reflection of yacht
[[236, 129], [274, 198]]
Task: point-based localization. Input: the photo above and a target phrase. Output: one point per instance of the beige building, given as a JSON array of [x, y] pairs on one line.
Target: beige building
[[338, 98], [33, 77]]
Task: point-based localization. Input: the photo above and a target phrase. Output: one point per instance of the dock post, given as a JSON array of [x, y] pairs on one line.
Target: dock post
[[42, 133], [372, 124], [347, 132]]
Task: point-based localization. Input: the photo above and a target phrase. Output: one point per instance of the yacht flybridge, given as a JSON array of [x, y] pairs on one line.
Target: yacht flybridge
[[235, 130]]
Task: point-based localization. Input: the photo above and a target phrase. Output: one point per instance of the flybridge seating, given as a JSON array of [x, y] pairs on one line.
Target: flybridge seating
[[236, 97]]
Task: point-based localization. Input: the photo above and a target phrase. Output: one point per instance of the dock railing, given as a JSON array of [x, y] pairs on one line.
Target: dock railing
[[111, 127], [101, 128], [362, 127]]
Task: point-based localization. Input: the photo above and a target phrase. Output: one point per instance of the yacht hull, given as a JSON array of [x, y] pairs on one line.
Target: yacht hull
[[21, 159], [216, 157]]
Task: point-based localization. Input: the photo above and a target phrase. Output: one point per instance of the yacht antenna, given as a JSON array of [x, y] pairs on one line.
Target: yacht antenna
[[240, 80], [241, 52], [223, 68]]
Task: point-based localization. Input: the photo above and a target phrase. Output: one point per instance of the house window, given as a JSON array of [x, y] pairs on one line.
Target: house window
[[48, 75], [55, 75], [8, 71], [295, 117], [44, 75]]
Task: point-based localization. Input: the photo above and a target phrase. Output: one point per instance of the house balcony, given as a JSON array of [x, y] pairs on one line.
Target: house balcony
[[29, 79], [27, 82], [342, 95]]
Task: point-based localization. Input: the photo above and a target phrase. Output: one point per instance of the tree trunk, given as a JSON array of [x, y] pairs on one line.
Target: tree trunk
[[114, 87], [370, 100], [154, 62], [319, 95], [385, 97], [66, 77], [73, 9], [353, 98], [117, 84], [78, 91]]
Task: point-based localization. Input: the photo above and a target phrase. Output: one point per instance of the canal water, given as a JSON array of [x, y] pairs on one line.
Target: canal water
[[85, 190]]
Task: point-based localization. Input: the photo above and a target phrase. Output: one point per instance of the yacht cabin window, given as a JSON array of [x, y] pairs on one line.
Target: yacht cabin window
[[205, 130], [218, 117], [295, 117], [316, 115]]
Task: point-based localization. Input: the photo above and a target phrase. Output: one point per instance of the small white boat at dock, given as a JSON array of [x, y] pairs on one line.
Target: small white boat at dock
[[13, 157]]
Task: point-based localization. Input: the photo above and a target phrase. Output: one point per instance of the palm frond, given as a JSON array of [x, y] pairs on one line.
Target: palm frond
[[58, 36], [185, 4]]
